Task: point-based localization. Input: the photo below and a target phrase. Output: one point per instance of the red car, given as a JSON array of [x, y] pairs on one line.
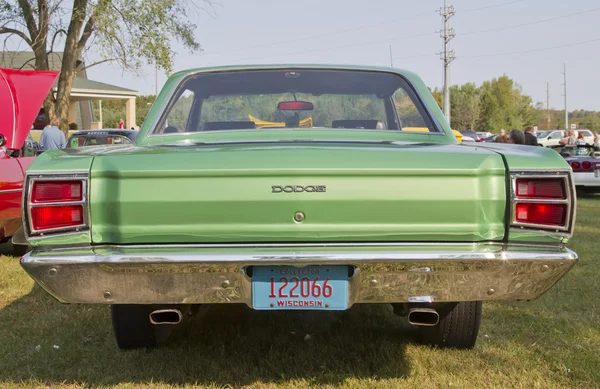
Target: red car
[[22, 92]]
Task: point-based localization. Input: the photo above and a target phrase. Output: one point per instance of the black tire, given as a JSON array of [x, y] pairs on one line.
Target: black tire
[[458, 326], [132, 327]]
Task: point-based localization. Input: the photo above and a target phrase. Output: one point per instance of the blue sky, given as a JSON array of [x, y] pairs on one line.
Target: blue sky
[[360, 32]]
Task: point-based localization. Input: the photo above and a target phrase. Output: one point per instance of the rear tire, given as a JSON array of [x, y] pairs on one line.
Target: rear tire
[[133, 329], [458, 326]]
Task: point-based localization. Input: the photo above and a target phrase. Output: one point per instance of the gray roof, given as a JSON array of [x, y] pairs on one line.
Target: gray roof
[[26, 60], [83, 84]]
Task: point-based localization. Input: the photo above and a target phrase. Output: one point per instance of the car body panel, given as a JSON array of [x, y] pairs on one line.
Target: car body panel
[[183, 217], [211, 200]]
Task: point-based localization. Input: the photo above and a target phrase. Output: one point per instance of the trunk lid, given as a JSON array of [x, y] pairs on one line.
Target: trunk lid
[[22, 93], [363, 193]]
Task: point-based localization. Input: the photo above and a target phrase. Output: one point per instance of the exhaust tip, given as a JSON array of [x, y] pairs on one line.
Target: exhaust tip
[[423, 317], [166, 316]]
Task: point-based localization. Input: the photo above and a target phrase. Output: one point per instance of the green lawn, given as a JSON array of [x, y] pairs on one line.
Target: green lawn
[[553, 342]]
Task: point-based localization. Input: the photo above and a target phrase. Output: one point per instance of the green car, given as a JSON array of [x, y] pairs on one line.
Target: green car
[[298, 188]]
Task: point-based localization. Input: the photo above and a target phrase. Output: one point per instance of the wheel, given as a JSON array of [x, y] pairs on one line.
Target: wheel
[[133, 329], [19, 249], [458, 326]]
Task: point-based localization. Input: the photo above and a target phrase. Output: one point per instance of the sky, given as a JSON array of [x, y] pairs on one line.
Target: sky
[[528, 40]]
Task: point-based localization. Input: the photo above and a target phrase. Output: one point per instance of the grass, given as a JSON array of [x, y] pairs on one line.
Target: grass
[[553, 342]]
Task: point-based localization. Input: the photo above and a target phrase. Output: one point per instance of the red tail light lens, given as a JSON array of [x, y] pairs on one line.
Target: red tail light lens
[[58, 216], [541, 188], [575, 165], [586, 165], [56, 191], [541, 213]]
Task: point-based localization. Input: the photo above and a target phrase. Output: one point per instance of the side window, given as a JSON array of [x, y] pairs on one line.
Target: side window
[[556, 135], [408, 114], [178, 116]]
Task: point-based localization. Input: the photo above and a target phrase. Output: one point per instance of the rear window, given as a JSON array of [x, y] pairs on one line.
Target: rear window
[[83, 140], [300, 99]]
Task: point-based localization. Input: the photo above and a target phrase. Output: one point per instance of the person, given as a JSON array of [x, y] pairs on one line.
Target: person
[[502, 132], [501, 139], [580, 142], [121, 124], [516, 136], [596, 145], [52, 137], [569, 138], [530, 138]]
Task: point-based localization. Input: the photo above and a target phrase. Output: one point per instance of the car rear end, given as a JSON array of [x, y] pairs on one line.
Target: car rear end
[[303, 219]]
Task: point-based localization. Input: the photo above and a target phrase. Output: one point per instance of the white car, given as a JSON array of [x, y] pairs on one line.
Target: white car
[[551, 138]]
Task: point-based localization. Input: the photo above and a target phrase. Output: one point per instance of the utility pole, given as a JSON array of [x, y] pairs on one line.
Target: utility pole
[[447, 56], [391, 60], [565, 94], [547, 105]]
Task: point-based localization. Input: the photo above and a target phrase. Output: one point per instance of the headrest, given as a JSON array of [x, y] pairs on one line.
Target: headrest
[[239, 125], [361, 123]]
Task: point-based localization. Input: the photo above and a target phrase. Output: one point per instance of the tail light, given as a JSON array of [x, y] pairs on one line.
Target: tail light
[[584, 166], [56, 204], [542, 201]]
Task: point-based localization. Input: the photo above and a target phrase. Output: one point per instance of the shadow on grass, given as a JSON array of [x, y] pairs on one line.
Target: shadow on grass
[[45, 341]]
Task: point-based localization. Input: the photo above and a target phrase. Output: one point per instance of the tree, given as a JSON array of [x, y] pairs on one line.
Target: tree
[[127, 32], [465, 106]]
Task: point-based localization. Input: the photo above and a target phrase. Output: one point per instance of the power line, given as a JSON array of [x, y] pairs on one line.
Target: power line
[[338, 47], [530, 23], [533, 50], [492, 6], [337, 32]]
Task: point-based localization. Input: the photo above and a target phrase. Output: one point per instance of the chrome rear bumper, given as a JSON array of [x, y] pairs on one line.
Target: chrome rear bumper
[[192, 274]]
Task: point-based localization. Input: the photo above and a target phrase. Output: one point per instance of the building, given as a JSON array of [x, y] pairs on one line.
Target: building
[[84, 90]]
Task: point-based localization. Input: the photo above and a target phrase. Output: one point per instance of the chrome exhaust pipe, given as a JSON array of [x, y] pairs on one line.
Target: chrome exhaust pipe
[[423, 317], [166, 316]]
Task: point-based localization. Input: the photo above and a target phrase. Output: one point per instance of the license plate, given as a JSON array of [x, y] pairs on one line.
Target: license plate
[[310, 287]]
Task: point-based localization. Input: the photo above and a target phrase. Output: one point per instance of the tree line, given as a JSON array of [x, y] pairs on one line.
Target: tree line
[[501, 103]]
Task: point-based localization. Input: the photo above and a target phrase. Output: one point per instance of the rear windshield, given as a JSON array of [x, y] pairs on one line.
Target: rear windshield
[[86, 140], [310, 99]]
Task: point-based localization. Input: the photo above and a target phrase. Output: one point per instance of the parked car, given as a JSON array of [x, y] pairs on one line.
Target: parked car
[[108, 136], [585, 162], [41, 120], [21, 94], [484, 134], [491, 138], [551, 138], [470, 136], [205, 208]]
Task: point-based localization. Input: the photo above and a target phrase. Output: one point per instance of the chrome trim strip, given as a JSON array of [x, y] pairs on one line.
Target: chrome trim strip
[[10, 190], [151, 276]]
